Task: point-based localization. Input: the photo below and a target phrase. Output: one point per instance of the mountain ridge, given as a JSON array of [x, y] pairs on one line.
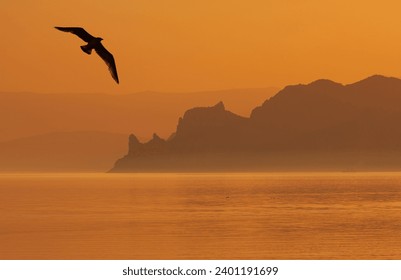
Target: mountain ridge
[[25, 114], [320, 118]]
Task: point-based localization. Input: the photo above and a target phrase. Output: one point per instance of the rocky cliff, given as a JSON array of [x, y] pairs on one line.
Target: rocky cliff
[[322, 125]]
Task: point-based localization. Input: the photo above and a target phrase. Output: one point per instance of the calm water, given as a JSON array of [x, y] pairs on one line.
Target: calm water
[[200, 216]]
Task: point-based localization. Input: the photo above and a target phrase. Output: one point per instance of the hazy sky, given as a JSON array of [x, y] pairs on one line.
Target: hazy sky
[[181, 45]]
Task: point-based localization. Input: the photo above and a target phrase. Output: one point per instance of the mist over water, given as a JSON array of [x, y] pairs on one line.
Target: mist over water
[[201, 216]]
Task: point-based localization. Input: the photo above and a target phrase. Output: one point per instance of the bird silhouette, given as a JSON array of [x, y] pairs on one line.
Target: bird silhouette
[[94, 43]]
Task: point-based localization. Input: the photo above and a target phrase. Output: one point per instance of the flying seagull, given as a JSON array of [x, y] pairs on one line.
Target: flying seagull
[[94, 44]]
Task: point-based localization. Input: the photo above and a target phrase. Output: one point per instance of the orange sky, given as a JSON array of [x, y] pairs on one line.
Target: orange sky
[[181, 45]]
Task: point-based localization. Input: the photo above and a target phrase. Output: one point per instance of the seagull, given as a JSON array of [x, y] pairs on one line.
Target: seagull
[[94, 44]]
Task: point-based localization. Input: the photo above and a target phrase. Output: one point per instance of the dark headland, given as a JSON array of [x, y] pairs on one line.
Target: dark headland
[[320, 126]]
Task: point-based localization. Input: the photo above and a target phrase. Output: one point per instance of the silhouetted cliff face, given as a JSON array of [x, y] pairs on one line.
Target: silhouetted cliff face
[[297, 113], [327, 115], [211, 129], [359, 121]]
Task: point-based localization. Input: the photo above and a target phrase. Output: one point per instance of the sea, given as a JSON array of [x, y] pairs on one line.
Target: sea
[[200, 216]]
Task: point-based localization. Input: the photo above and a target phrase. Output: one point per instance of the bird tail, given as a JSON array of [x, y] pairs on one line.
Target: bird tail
[[86, 49]]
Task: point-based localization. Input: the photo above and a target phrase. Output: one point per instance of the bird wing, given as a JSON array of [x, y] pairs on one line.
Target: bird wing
[[108, 59], [79, 31]]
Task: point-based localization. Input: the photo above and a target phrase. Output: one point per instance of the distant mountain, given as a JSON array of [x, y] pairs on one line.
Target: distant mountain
[[26, 114], [87, 151], [322, 125]]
